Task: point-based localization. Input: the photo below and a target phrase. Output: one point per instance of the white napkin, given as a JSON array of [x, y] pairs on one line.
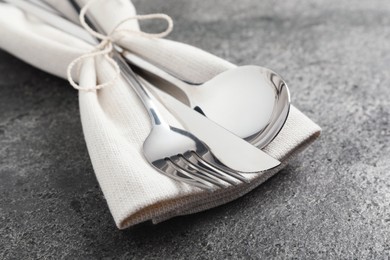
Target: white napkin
[[115, 123]]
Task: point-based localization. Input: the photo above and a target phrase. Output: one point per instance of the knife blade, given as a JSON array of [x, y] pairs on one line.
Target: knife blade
[[250, 159]]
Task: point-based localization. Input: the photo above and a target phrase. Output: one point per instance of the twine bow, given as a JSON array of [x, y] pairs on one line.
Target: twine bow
[[105, 47]]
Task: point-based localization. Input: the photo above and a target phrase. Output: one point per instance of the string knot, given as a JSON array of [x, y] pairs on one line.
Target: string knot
[[106, 45]]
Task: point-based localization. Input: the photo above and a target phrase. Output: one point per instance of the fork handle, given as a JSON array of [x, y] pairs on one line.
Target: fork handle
[[146, 97]]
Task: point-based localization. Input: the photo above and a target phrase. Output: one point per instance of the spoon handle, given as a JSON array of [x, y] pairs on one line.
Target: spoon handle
[[158, 72]]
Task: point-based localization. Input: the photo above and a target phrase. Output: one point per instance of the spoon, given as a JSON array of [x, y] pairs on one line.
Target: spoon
[[251, 101]]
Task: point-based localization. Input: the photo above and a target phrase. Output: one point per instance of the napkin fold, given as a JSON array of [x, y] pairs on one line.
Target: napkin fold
[[115, 123]]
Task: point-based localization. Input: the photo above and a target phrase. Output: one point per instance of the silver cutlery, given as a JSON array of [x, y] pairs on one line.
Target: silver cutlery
[[183, 156], [188, 159], [237, 154], [256, 92], [174, 151], [234, 152]]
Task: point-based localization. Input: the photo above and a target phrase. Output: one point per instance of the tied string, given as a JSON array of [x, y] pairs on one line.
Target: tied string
[[105, 47]]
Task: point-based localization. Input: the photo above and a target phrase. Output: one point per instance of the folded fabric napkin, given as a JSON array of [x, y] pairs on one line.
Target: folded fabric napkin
[[115, 123]]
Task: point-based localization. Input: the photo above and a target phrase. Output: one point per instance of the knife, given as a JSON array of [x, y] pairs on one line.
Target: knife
[[251, 158]]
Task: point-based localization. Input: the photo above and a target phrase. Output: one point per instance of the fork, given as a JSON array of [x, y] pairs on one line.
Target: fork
[[174, 151]]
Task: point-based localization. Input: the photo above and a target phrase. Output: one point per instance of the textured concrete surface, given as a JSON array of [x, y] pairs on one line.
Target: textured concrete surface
[[332, 201]]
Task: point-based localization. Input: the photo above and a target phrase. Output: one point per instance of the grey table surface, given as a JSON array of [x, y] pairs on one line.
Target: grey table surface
[[332, 201]]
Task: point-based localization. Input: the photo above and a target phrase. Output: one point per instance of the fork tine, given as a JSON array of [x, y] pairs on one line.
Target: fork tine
[[202, 167], [209, 160], [186, 165], [173, 171]]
